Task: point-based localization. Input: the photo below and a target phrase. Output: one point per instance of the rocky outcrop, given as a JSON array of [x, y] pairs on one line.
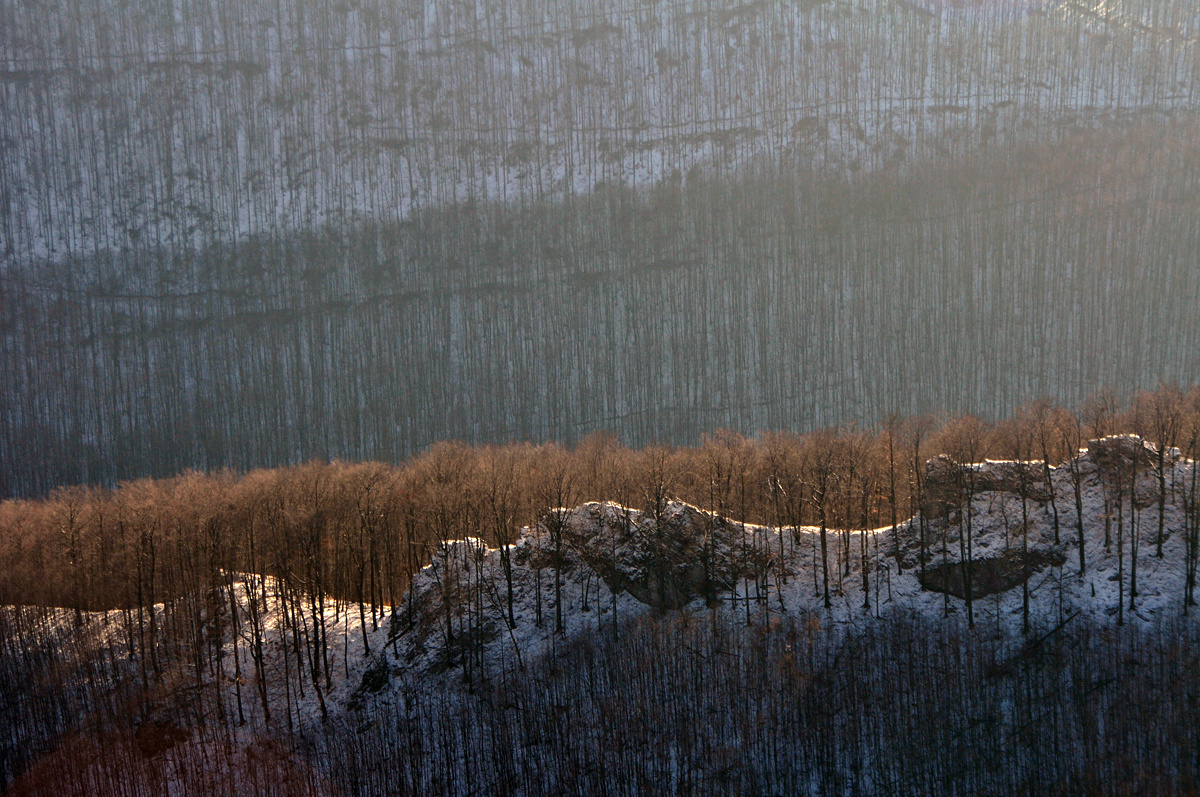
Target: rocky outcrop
[[1121, 453], [989, 575], [1117, 460], [1121, 460], [686, 554], [947, 482]]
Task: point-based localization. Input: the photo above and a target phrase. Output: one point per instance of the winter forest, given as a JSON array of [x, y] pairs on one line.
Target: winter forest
[[449, 397]]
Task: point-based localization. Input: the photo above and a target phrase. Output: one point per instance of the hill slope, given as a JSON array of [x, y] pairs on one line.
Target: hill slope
[[675, 646]]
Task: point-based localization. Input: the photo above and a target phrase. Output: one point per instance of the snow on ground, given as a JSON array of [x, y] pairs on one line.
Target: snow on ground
[[472, 640], [754, 572], [422, 646]]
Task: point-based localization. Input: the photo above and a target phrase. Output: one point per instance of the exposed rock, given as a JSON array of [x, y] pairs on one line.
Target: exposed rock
[[1121, 452], [452, 576], [991, 575], [946, 482], [1112, 459], [689, 554], [1120, 459]]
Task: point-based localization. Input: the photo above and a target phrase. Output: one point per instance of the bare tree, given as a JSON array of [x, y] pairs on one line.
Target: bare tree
[[1044, 416], [557, 490], [916, 431], [822, 467], [1071, 432], [1159, 415], [966, 441]]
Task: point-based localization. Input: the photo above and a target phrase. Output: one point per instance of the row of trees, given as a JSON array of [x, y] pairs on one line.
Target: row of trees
[[359, 531], [681, 704]]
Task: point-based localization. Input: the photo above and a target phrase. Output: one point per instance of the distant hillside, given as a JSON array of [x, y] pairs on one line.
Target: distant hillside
[[134, 126], [253, 235], [774, 301]]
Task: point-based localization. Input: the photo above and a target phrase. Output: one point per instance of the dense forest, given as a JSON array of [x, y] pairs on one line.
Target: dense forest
[[615, 397], [360, 530], [904, 710], [225, 626], [252, 235]]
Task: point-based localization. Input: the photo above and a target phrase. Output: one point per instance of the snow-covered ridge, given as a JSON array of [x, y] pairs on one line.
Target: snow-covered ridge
[[613, 563], [477, 614]]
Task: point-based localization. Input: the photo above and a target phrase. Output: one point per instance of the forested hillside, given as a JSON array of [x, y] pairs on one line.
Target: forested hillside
[[921, 608], [616, 397], [250, 234], [140, 125]]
